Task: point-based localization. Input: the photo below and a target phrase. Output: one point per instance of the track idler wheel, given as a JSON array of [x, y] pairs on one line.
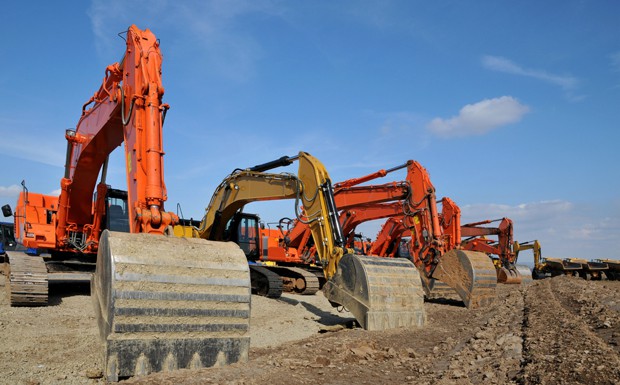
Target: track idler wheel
[[472, 274], [166, 303], [382, 293]]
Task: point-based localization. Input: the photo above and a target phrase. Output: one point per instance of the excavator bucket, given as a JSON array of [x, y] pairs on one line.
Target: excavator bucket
[[382, 293], [508, 276], [434, 289], [471, 273], [517, 274], [166, 303], [526, 274]]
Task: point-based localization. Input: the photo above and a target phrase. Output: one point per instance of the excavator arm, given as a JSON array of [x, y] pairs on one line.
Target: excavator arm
[[390, 234], [239, 189], [476, 234], [503, 232], [434, 246], [353, 217], [127, 109], [162, 302], [435, 239]]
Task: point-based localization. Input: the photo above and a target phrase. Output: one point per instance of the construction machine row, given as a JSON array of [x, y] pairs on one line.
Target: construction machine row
[[171, 293]]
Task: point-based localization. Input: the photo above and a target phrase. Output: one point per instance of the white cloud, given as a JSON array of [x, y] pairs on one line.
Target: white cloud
[[480, 118], [531, 212], [11, 191], [564, 229], [501, 64], [567, 82]]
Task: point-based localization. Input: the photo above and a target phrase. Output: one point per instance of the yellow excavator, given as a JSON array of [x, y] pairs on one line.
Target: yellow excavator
[[380, 293]]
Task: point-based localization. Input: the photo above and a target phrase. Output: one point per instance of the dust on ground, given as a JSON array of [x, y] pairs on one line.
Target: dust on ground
[[562, 330]]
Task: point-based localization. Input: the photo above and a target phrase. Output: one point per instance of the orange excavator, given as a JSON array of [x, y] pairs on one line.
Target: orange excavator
[[161, 302], [354, 216], [388, 240], [475, 236], [505, 259], [472, 236], [435, 251]]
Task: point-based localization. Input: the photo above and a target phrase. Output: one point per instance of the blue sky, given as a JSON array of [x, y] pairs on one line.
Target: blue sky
[[513, 107]]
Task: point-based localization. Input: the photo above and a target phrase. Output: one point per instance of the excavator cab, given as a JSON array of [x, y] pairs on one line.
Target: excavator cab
[[243, 229], [116, 215]]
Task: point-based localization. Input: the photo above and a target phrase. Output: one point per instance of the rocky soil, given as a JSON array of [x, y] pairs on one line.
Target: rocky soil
[[562, 330]]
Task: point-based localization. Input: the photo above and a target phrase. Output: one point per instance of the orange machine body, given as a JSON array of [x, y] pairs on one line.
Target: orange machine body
[[40, 229]]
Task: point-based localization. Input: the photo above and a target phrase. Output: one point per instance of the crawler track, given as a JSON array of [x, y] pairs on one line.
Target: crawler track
[[296, 280], [28, 283], [265, 282]]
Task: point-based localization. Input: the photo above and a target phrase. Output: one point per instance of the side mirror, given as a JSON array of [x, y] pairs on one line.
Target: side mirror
[[6, 211]]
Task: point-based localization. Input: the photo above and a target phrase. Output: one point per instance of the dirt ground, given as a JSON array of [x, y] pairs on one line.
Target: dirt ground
[[562, 330]]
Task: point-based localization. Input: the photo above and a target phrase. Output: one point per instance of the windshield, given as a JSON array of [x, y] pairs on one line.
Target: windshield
[[117, 217]]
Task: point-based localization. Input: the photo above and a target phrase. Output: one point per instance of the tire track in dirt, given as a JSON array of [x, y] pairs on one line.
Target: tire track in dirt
[[594, 301], [560, 347]]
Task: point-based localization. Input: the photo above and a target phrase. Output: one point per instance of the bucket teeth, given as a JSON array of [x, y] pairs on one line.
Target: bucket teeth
[[508, 276], [165, 303], [382, 293]]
